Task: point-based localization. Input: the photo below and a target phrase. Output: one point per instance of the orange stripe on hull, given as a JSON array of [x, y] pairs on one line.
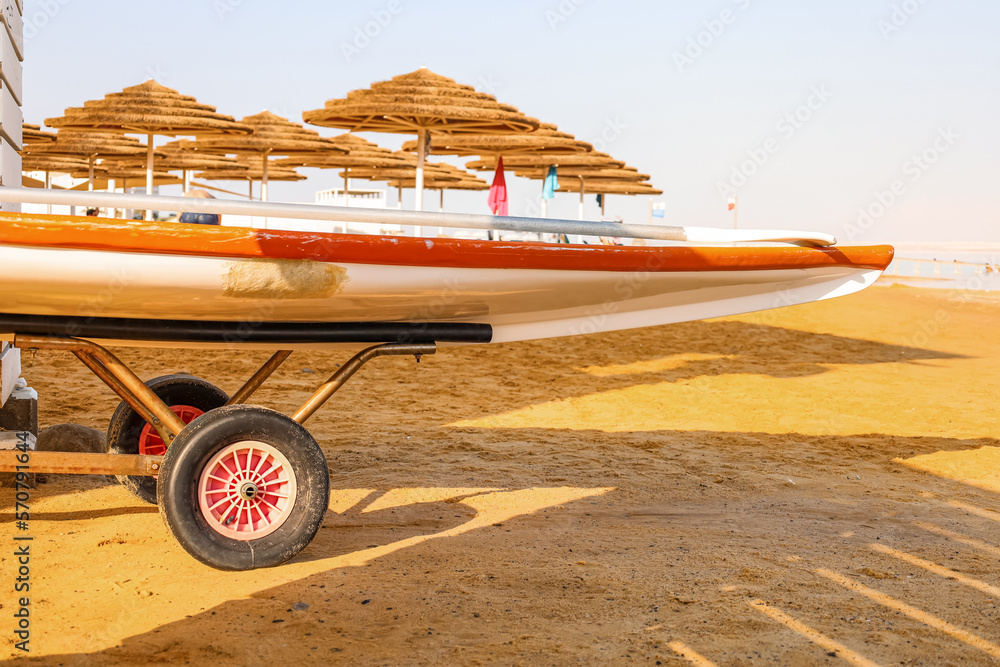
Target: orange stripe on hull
[[86, 233]]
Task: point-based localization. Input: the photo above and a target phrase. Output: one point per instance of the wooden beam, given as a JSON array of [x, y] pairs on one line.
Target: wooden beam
[[75, 463]]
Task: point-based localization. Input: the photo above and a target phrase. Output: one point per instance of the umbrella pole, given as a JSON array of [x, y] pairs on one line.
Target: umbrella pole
[[48, 186], [187, 180], [581, 197], [441, 209], [90, 173], [604, 200], [263, 184], [347, 186], [399, 199], [545, 202], [112, 188], [421, 156], [149, 173]]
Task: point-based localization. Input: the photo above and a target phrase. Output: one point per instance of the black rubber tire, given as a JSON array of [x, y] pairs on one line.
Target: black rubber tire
[[126, 424], [190, 453]]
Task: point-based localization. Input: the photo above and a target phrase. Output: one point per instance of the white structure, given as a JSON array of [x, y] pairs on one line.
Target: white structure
[[360, 198], [353, 197], [11, 55]]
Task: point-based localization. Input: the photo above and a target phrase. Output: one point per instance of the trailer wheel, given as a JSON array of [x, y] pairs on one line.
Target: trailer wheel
[[188, 396], [244, 487]]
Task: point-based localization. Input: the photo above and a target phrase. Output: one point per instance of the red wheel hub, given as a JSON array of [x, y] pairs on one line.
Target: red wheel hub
[[150, 443], [247, 490]]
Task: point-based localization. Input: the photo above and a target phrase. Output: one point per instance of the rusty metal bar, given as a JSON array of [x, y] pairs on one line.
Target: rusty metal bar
[[116, 386], [344, 373], [166, 423], [258, 378], [76, 463]]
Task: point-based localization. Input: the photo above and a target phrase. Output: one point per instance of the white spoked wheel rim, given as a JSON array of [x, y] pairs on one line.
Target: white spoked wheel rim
[[246, 490]]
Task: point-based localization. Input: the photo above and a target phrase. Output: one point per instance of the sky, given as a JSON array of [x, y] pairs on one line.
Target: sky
[[873, 120]]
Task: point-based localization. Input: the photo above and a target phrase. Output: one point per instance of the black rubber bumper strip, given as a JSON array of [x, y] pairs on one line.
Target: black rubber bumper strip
[[277, 333]]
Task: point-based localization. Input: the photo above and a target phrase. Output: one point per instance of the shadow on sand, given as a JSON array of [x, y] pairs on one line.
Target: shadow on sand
[[393, 566]]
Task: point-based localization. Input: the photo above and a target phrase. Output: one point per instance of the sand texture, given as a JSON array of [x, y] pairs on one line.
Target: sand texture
[[810, 486]]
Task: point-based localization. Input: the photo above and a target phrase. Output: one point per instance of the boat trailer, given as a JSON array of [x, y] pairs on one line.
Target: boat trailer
[[240, 486]]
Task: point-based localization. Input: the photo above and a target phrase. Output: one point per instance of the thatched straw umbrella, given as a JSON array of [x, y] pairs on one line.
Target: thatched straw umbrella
[[406, 170], [250, 171], [420, 103], [272, 135], [605, 187], [439, 184], [50, 164], [58, 164], [123, 174], [181, 156], [149, 109], [594, 159], [113, 175], [89, 146], [622, 174], [611, 188], [34, 134], [356, 153], [581, 167], [437, 176], [547, 140]]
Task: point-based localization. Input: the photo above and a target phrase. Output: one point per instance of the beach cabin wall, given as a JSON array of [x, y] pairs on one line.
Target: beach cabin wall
[[11, 55], [10, 370]]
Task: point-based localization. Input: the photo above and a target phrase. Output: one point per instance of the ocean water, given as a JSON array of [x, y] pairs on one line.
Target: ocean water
[[947, 268]]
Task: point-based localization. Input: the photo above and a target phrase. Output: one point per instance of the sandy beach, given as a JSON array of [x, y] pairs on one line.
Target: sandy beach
[[793, 487]]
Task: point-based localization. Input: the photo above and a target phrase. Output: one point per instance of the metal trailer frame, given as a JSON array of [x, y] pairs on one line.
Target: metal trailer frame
[[127, 385], [290, 503]]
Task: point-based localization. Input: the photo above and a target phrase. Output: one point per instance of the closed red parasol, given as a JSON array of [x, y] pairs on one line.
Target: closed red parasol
[[498, 192]]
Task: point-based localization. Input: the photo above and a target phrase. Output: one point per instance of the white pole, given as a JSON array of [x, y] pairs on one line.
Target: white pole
[[421, 156], [187, 180], [419, 185], [604, 200], [441, 210], [383, 217], [48, 185], [347, 186], [263, 183], [545, 202], [263, 180], [90, 173], [149, 173], [112, 187], [126, 212], [399, 198], [582, 188]]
